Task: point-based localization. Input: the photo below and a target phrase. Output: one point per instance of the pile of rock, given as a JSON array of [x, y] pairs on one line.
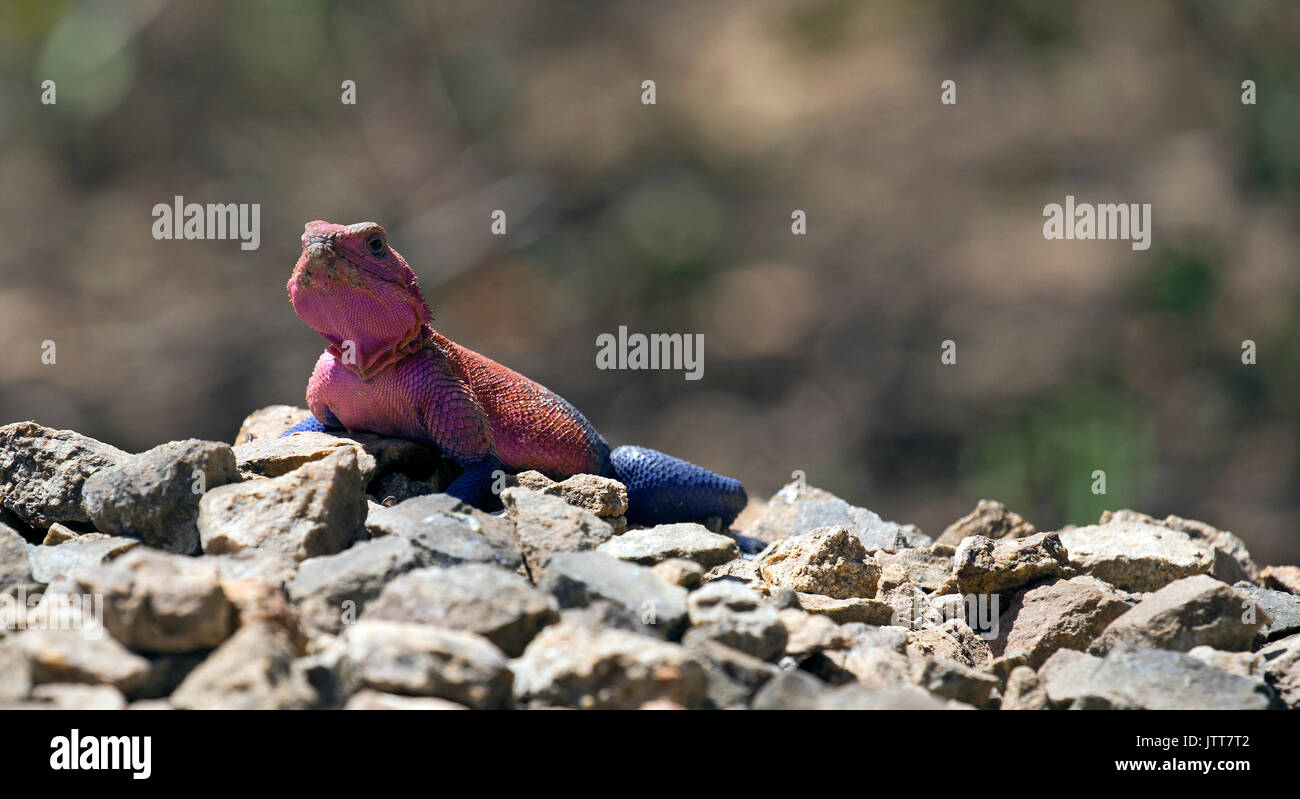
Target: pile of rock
[[324, 570]]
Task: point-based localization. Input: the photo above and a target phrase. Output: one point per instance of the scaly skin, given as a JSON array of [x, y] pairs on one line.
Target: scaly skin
[[387, 371]]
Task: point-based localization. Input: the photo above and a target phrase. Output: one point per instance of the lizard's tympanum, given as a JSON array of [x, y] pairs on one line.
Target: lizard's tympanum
[[387, 371]]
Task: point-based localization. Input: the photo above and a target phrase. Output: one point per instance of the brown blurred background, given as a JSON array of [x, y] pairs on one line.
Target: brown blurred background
[[821, 352]]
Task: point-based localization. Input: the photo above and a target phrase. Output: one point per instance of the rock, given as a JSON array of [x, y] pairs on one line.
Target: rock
[[810, 633], [396, 488], [81, 656], [422, 660], [487, 600], [791, 690], [330, 587], [954, 640], [1281, 664], [1064, 676], [990, 519], [798, 691], [69, 696], [985, 566], [547, 525], [317, 509], [252, 670], [927, 568], [732, 614], [42, 472], [1057, 614], [159, 602], [449, 532], [829, 561], [1231, 560], [1281, 578], [1283, 609], [686, 541], [1024, 691], [845, 611], [1152, 679], [1136, 556], [733, 676], [15, 569], [1244, 664], [952, 680], [678, 571], [263, 564], [58, 533], [798, 509], [400, 455], [275, 457], [1186, 613], [738, 569], [603, 496], [15, 673], [48, 563], [578, 578], [154, 496], [572, 665], [378, 700], [270, 422]]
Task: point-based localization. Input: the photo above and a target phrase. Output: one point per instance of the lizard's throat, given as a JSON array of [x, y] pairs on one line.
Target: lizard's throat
[[368, 358]]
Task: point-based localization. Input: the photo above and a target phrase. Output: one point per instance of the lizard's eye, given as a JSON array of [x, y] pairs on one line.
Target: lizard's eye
[[376, 244]]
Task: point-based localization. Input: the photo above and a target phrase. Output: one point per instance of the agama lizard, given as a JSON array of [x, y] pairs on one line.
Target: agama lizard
[[387, 371]]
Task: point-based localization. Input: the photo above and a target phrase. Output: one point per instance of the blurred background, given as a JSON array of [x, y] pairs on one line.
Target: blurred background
[[821, 351]]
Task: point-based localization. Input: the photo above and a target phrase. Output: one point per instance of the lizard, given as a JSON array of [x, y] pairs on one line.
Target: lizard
[[385, 370]]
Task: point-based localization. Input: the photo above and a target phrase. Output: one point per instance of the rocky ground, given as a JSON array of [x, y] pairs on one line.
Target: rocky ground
[[327, 571]]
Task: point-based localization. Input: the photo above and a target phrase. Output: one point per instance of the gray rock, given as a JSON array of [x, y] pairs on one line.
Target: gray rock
[[273, 457], [546, 525], [421, 660], [159, 602], [317, 509], [1154, 679], [1283, 609], [733, 676], [686, 573], [81, 656], [576, 579], [1193, 611], [990, 519], [72, 696], [687, 541], [154, 496], [952, 680], [449, 532], [1231, 560], [252, 670], [928, 568], [1135, 555], [1023, 691], [985, 566], [573, 665], [15, 570], [798, 509], [331, 588], [48, 563], [270, 422], [42, 472], [1057, 614], [1281, 664], [487, 600], [378, 700], [830, 561], [732, 614]]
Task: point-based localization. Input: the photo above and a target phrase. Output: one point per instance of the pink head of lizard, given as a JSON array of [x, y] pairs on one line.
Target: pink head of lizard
[[359, 294]]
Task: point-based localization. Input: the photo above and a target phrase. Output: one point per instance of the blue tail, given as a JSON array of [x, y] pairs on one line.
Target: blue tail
[[662, 489]]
